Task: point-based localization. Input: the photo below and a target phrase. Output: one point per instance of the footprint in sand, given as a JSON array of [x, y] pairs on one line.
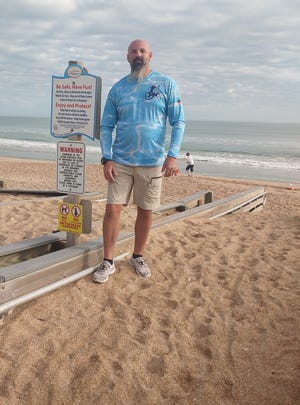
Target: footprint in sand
[[157, 366]]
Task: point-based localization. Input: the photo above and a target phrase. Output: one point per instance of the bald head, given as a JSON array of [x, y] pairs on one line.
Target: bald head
[[140, 43]]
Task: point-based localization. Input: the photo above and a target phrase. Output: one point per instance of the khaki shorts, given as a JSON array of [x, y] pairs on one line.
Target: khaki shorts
[[145, 182]]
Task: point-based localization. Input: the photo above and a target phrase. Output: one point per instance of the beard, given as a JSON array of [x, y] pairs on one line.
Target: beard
[[138, 69]]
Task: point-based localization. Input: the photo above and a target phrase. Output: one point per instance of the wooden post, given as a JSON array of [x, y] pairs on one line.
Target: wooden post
[[73, 238], [2, 184]]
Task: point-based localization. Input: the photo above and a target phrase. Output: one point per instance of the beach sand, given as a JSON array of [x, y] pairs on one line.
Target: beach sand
[[217, 323]]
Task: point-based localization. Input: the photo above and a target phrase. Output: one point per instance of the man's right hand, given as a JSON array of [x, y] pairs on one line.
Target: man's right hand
[[109, 171]]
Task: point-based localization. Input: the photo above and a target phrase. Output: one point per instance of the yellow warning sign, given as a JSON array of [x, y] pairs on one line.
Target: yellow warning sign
[[70, 217]]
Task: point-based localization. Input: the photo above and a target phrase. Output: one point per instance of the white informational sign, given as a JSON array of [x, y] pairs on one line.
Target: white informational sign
[[70, 167], [75, 108]]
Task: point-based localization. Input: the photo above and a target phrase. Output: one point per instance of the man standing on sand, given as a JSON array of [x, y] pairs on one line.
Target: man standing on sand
[[138, 106]]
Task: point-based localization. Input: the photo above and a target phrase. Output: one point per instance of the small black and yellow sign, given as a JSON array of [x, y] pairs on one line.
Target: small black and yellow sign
[[70, 217]]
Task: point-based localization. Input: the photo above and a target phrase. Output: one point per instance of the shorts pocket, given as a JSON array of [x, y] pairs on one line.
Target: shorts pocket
[[154, 189], [155, 181]]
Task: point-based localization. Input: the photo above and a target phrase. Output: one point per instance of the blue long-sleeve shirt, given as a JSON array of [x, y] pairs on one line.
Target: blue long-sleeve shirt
[[139, 111]]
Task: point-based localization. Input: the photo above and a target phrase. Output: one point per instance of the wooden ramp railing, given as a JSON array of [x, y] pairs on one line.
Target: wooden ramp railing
[[22, 278], [191, 201]]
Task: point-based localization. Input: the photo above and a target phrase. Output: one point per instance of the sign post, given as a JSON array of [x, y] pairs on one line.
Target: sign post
[[75, 112]]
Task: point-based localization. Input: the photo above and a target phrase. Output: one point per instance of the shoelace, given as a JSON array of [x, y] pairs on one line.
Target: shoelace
[[103, 267], [141, 262]]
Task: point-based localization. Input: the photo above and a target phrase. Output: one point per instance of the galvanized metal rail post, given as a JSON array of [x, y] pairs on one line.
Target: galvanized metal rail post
[[73, 238]]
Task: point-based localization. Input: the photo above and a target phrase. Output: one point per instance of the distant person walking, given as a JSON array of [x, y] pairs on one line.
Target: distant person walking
[[190, 164]]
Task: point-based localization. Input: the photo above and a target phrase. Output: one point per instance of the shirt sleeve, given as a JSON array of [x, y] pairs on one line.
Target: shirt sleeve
[[108, 123], [176, 120]]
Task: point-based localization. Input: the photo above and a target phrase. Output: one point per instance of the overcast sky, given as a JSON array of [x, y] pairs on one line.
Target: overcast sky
[[232, 59]]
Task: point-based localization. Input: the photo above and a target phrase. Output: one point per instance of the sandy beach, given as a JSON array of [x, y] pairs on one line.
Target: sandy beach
[[217, 323]]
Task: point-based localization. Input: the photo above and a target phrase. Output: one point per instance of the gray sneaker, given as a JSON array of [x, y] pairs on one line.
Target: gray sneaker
[[140, 266], [103, 271]]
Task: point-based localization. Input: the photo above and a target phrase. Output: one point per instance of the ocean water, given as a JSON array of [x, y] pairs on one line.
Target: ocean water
[[263, 151]]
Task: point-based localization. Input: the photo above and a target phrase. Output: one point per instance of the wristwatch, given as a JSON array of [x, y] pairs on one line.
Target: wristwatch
[[104, 160]]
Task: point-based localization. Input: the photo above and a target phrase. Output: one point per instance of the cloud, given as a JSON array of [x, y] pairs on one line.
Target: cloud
[[224, 55]]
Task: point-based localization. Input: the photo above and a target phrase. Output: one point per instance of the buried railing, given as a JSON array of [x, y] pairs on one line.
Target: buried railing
[[60, 267]]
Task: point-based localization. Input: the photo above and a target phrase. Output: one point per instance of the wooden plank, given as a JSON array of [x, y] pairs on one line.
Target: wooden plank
[[25, 255], [210, 209], [190, 201], [255, 205], [41, 271], [32, 243], [243, 206], [29, 249], [90, 196], [51, 259], [33, 192], [31, 200], [195, 197], [25, 277], [196, 201], [50, 270], [7, 307], [170, 208], [226, 204], [93, 196]]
